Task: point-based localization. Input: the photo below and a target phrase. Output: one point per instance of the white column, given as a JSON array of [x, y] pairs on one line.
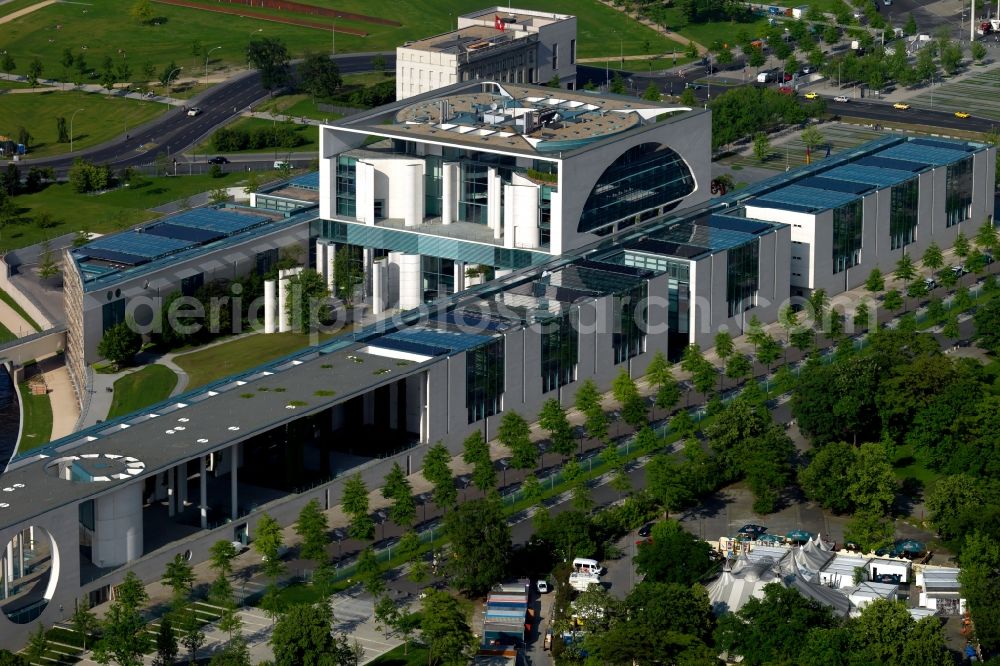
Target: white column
[[525, 205], [203, 489], [449, 192], [364, 192], [233, 481], [270, 306], [459, 276], [331, 263], [20, 554], [284, 323], [321, 262], [410, 282], [8, 568], [182, 486], [425, 409], [555, 224], [493, 200], [380, 289], [508, 216], [413, 194], [171, 492], [368, 256]]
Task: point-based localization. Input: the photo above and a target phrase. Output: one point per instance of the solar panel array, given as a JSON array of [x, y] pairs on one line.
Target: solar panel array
[[928, 155], [309, 181]]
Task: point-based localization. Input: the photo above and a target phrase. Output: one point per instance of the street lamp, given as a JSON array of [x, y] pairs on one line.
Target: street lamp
[[170, 77], [207, 56], [71, 118], [333, 34]]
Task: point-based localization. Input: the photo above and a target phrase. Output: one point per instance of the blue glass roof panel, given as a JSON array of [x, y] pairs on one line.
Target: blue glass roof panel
[[809, 198], [137, 244], [212, 219], [887, 163], [435, 338], [870, 175], [309, 181], [924, 154], [168, 230], [948, 145], [116, 257], [740, 224], [826, 182]]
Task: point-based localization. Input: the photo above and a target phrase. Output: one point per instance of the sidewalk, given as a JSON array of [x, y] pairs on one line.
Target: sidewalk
[[65, 411], [14, 322]]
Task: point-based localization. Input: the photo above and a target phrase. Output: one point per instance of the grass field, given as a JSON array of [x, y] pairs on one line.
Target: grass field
[[142, 388], [5, 334], [207, 365], [310, 132], [6, 83], [298, 105], [6, 298], [37, 427], [15, 5], [416, 655], [38, 112], [106, 30], [104, 212]]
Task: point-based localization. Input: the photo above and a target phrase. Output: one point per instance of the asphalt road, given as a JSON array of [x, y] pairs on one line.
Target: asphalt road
[[175, 131]]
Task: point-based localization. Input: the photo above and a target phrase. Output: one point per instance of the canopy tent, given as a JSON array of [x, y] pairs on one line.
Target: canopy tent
[[812, 556], [835, 599], [738, 584]]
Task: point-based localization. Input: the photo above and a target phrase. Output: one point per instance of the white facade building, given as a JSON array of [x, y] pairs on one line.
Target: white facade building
[[531, 47]]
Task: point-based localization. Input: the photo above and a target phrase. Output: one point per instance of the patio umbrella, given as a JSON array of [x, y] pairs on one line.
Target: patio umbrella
[[799, 536], [769, 538]]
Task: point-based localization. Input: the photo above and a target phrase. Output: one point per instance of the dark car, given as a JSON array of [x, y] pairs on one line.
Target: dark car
[[646, 530], [219, 159]]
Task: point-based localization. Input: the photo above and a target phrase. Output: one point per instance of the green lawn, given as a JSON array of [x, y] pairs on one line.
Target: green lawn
[[106, 30], [15, 5], [6, 83], [103, 213], [310, 132], [5, 334], [102, 118], [707, 34], [207, 365], [6, 298], [298, 105], [416, 655], [142, 388], [37, 427], [906, 466]]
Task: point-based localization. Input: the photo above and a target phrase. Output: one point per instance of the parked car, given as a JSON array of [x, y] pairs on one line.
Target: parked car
[[282, 164], [962, 114], [843, 99], [930, 283], [646, 530], [542, 586], [219, 159], [901, 106], [786, 90], [811, 95]]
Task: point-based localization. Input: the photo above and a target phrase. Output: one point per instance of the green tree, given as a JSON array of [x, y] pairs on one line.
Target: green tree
[[124, 637], [962, 245], [892, 301], [62, 130], [480, 544], [120, 344], [658, 374], [761, 146], [905, 270], [755, 58], [141, 11], [768, 351], [47, 266], [515, 434], [83, 620], [179, 577], [445, 629], [688, 98], [269, 57], [553, 419], [910, 27], [724, 347], [875, 281], [986, 236], [823, 479], [626, 393], [978, 52], [35, 69], [476, 452], [652, 93], [220, 558], [588, 402], [347, 274], [437, 470], [812, 137], [386, 613], [166, 643], [306, 304], [738, 367], [673, 555], [370, 573], [319, 76], [670, 482], [192, 637], [871, 482], [933, 258], [7, 63], [354, 502], [398, 489], [554, 82], [986, 319], [312, 527], [38, 644], [303, 637], [531, 489], [617, 85]]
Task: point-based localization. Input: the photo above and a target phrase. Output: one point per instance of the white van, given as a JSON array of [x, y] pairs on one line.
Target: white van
[[581, 582], [589, 567]]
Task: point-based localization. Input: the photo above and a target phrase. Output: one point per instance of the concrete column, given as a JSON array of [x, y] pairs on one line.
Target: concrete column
[[380, 289], [282, 315], [493, 201], [364, 192], [410, 282], [203, 491], [449, 192], [508, 216], [171, 492], [331, 262], [118, 526], [182, 486], [413, 195], [270, 305], [459, 276], [321, 262], [234, 481], [525, 205], [425, 407], [20, 554], [368, 256]]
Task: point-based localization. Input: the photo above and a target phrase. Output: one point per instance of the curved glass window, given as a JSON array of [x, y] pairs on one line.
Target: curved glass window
[[642, 178]]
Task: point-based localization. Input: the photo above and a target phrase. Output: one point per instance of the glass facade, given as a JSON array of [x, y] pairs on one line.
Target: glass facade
[[432, 185], [191, 285], [847, 221], [112, 314], [958, 192], [267, 261], [484, 380], [438, 277], [560, 351], [544, 216], [903, 214], [629, 337], [742, 277], [472, 192], [643, 178], [346, 186]]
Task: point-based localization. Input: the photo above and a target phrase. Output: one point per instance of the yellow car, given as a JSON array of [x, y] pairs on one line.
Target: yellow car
[[811, 95], [961, 114], [900, 106]]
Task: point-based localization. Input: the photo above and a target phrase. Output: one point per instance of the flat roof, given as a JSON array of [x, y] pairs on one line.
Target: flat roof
[[467, 40], [924, 153], [506, 117], [804, 199], [528, 17], [869, 175]]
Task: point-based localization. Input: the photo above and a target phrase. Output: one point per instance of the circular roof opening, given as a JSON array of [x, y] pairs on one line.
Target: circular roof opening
[[34, 573], [95, 467]]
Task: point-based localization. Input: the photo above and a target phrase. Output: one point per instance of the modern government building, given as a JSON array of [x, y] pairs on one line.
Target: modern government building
[[514, 241]]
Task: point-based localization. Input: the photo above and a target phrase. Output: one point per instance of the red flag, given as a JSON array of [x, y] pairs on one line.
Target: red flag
[[498, 24]]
